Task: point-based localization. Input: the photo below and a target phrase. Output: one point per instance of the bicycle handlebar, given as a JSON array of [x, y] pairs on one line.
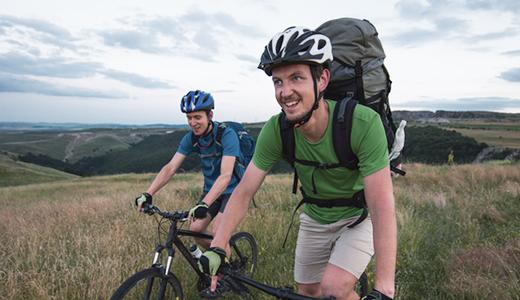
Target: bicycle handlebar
[[181, 215]]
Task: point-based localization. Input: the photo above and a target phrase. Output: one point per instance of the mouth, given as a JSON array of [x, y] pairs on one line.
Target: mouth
[[289, 105]]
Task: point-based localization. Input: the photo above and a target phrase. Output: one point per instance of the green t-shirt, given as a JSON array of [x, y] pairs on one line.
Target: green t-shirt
[[368, 141]]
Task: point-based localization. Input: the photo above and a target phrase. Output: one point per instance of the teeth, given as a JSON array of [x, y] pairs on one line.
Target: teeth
[[290, 104]]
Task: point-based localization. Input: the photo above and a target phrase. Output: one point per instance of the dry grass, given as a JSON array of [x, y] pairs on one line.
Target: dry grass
[[78, 239]]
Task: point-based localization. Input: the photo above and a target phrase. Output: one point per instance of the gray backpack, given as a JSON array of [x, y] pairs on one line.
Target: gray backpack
[[358, 73]]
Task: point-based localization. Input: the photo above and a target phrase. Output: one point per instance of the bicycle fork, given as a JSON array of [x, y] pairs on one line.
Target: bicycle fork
[[171, 254]]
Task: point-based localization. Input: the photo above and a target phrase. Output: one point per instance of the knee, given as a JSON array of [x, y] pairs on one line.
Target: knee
[[312, 290], [341, 288]]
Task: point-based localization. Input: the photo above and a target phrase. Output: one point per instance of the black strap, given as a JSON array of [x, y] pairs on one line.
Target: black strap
[[397, 170], [341, 132], [357, 200], [360, 91]]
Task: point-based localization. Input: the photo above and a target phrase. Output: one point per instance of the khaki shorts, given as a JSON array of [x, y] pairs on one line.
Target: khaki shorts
[[319, 244]]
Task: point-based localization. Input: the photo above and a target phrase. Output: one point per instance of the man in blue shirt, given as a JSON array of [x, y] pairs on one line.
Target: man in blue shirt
[[217, 162]]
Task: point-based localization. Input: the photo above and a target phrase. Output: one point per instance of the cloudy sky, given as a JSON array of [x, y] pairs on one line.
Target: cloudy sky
[[131, 61]]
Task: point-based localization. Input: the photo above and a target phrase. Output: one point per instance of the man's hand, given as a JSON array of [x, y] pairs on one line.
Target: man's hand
[[212, 260], [200, 211], [142, 199], [376, 295]]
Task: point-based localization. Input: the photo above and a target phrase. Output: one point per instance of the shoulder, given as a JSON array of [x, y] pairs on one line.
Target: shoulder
[[364, 113], [187, 137]]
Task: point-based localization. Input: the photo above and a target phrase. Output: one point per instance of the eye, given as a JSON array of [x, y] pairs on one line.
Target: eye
[[277, 82], [297, 78]]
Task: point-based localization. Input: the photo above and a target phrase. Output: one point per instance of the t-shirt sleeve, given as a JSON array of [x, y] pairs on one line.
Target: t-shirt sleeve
[[185, 146], [230, 143], [369, 144], [268, 148]]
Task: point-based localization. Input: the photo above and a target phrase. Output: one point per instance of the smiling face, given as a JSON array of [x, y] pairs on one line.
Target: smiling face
[[199, 121], [294, 89]]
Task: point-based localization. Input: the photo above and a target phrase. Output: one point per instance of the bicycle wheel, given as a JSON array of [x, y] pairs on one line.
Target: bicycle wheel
[[150, 284], [244, 253]]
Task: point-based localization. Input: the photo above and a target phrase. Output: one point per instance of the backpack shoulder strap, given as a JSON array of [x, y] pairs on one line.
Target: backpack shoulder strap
[[341, 132], [220, 131], [288, 146], [287, 136]]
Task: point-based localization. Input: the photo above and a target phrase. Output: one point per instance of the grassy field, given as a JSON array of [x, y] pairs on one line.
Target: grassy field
[[459, 233], [501, 134], [13, 172]]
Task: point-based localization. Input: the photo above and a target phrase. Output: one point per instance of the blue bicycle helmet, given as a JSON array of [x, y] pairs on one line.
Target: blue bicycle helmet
[[197, 100]]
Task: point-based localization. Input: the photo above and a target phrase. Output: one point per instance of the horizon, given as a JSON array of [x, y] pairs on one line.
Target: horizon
[[130, 63]]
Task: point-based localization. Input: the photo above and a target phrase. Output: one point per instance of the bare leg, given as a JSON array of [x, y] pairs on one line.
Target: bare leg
[[339, 283], [200, 225]]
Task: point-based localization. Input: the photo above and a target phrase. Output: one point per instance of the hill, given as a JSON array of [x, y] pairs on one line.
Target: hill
[[458, 234], [14, 172]]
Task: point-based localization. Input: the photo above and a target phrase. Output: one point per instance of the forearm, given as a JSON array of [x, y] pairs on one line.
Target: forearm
[[219, 186], [161, 179], [385, 244], [380, 200], [234, 213]]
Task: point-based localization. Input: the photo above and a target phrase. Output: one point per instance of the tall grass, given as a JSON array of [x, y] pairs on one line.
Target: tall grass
[[458, 234]]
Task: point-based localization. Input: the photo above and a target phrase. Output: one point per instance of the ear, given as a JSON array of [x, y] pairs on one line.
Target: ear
[[324, 79], [210, 115]]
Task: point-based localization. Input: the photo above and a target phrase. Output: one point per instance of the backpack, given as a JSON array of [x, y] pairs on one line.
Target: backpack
[[358, 76], [246, 141]]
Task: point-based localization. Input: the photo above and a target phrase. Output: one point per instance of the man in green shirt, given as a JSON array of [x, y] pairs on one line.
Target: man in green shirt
[[330, 255]]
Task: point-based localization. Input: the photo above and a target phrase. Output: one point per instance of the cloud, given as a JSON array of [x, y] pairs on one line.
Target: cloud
[[40, 30], [136, 80], [512, 52], [18, 63], [26, 85], [476, 103], [449, 20], [248, 58], [512, 75], [59, 67], [132, 39], [196, 34], [499, 5]]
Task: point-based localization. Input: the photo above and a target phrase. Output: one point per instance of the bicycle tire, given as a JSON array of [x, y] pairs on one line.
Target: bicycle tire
[[244, 253], [138, 286]]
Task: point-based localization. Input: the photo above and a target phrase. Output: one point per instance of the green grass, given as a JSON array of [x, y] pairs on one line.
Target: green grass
[[459, 233], [13, 172]]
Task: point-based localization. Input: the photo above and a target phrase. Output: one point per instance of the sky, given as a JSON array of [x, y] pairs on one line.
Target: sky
[[132, 61]]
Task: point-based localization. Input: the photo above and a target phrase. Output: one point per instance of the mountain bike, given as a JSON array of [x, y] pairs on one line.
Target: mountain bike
[[159, 282]]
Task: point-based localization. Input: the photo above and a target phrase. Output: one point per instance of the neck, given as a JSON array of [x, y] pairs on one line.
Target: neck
[[315, 128], [208, 129]]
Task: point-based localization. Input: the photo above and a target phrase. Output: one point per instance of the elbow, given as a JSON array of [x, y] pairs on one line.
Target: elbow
[[226, 178]]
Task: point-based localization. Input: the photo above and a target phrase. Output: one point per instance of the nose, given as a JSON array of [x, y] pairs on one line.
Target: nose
[[285, 90]]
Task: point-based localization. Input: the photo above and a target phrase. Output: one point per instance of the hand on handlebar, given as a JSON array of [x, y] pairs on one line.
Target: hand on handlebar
[[142, 199], [376, 295], [200, 211]]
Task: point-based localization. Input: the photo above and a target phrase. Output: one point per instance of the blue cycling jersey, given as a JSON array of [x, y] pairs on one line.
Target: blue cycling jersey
[[211, 155]]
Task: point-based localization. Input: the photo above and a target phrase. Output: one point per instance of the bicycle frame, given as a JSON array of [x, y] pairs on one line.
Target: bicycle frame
[[173, 238]]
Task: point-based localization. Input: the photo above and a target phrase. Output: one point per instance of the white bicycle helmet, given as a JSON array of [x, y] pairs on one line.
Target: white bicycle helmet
[[296, 45]]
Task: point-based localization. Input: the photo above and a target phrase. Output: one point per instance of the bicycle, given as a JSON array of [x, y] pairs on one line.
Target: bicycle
[[160, 281], [237, 271]]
